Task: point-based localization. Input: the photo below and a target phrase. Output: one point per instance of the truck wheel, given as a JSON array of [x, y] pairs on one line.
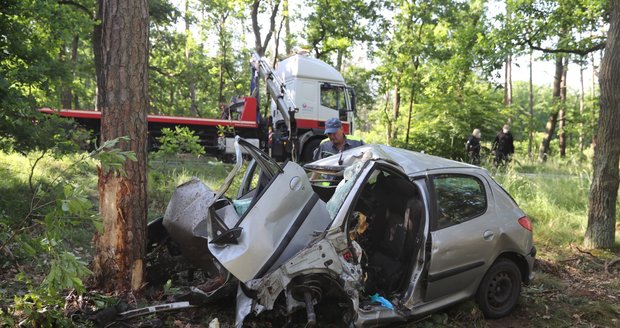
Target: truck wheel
[[307, 155]]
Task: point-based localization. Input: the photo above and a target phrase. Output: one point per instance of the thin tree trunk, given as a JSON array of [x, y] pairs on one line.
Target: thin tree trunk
[[339, 59], [65, 87], [562, 112], [123, 98], [223, 54], [531, 120], [395, 110], [277, 43], [593, 102], [74, 62], [193, 107], [260, 45], [508, 81], [97, 50], [582, 105], [543, 151], [601, 229], [410, 112], [388, 136], [288, 38]]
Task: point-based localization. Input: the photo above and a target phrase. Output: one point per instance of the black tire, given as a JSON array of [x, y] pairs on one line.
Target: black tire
[[307, 155], [499, 290]]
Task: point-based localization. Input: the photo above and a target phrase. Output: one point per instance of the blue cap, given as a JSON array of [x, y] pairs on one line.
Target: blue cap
[[332, 125]]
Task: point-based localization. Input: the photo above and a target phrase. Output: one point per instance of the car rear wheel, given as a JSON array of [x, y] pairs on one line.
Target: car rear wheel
[[499, 290]]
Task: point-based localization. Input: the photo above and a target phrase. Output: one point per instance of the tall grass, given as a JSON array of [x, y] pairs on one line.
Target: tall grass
[[165, 174], [553, 194]]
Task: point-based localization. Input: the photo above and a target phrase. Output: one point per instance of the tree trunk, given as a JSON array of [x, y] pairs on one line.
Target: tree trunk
[[508, 81], [388, 135], [395, 110], [97, 50], [288, 38], [601, 229], [65, 85], [260, 45], [74, 62], [582, 105], [123, 100], [339, 58], [223, 47], [531, 120], [592, 101], [193, 107], [543, 151], [562, 112], [411, 100]]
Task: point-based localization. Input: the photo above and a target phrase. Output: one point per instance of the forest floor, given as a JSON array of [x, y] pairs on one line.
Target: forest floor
[[573, 287]]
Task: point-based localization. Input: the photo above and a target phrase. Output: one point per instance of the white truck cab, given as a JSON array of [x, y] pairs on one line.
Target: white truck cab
[[320, 93]]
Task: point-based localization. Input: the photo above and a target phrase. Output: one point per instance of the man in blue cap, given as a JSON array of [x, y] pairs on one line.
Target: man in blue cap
[[337, 142]]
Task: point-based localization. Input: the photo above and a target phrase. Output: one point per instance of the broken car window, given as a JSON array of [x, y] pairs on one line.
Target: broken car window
[[350, 176]]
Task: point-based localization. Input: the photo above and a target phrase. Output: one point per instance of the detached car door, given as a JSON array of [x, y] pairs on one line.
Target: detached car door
[[270, 222], [463, 235]]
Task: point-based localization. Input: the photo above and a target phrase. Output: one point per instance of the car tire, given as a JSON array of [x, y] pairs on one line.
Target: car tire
[[309, 148], [499, 290]]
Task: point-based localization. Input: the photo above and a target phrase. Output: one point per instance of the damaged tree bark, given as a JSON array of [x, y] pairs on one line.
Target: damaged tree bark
[[123, 101]]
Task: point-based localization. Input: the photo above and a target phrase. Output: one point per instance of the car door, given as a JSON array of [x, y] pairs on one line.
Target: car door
[[273, 224], [463, 233]]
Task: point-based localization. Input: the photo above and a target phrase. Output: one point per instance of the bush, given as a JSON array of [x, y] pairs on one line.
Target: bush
[[178, 141]]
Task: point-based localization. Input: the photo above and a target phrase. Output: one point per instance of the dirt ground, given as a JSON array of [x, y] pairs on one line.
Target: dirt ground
[[581, 289]]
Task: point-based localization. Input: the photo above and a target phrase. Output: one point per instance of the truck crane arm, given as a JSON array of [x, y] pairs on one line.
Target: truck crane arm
[[278, 92]]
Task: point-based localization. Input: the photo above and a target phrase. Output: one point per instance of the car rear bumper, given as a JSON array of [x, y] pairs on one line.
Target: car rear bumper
[[530, 258]]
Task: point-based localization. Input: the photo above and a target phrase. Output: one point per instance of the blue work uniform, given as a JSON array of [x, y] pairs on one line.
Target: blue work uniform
[[327, 148]]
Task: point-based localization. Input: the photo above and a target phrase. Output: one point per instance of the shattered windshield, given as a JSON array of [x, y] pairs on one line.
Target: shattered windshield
[[344, 187]]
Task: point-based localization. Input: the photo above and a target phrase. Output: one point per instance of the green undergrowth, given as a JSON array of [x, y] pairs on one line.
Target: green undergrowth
[[569, 288]]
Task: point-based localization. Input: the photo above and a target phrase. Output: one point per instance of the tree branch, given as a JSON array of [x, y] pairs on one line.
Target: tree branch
[[162, 72], [581, 52], [77, 5], [272, 23], [256, 28]]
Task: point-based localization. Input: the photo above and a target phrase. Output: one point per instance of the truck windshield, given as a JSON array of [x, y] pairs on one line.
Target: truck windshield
[[335, 97]]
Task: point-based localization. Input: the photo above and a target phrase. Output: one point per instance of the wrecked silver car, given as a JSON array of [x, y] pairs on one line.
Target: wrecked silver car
[[379, 233]]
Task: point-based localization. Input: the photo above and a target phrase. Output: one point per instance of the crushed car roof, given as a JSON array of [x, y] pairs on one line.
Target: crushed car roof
[[412, 162]]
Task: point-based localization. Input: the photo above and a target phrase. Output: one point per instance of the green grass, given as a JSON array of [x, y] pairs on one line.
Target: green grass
[[554, 195]]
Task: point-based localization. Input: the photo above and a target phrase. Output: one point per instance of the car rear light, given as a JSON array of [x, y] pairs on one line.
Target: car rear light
[[526, 223]]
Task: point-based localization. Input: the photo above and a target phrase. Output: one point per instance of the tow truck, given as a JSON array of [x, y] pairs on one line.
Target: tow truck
[[304, 92]]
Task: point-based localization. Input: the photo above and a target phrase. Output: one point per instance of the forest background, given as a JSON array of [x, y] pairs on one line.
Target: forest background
[[426, 74]]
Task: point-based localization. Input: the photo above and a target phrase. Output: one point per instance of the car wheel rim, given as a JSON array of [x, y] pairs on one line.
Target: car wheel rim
[[500, 289]]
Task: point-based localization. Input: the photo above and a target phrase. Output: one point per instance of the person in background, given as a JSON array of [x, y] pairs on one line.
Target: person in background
[[503, 146], [337, 141], [473, 147]]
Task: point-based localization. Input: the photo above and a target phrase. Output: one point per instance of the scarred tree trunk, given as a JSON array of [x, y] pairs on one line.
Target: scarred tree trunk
[[601, 229], [123, 100], [543, 151]]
